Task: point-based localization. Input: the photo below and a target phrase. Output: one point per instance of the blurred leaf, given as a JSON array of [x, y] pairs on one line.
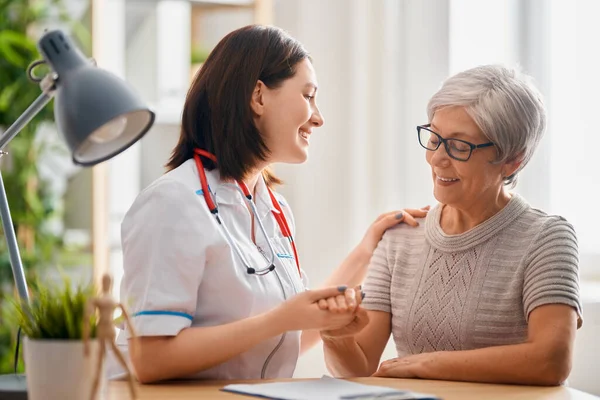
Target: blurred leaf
[[8, 94], [15, 47]]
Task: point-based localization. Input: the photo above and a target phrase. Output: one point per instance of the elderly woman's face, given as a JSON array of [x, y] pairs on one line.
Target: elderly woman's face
[[462, 183]]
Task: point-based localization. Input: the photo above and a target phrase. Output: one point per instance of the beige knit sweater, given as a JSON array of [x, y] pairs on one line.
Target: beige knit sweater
[[476, 289]]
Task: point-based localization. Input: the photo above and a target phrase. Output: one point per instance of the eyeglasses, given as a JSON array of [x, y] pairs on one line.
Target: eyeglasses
[[458, 149]]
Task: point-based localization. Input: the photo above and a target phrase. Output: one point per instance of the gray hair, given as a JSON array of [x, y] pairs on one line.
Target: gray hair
[[504, 104]]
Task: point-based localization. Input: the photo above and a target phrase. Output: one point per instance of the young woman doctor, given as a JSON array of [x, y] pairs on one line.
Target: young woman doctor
[[211, 270]]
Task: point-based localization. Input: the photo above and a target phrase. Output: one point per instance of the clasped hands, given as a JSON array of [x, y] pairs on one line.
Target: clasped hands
[[346, 304]]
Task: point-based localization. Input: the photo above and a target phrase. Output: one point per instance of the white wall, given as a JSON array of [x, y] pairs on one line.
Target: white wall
[[156, 150], [574, 90]]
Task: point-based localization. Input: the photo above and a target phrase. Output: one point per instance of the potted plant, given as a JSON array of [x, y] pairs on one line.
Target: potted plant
[[53, 324]]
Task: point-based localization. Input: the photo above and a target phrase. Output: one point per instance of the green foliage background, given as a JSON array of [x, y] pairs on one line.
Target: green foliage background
[[31, 205]]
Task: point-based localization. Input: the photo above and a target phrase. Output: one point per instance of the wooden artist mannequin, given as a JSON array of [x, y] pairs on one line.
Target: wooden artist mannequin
[[105, 306]]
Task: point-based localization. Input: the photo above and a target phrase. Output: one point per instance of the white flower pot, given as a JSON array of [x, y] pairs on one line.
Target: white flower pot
[[59, 370]]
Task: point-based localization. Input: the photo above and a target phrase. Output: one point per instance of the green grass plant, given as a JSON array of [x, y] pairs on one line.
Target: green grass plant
[[56, 311]]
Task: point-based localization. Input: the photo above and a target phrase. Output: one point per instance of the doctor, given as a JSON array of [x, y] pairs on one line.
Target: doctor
[[212, 274]]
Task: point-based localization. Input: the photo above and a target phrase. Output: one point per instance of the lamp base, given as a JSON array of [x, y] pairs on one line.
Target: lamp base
[[13, 387]]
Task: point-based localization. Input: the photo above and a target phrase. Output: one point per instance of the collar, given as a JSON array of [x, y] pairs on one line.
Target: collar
[[262, 195], [226, 192], [481, 233]]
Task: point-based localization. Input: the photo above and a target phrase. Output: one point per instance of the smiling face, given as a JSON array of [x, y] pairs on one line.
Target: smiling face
[[286, 115], [463, 184]]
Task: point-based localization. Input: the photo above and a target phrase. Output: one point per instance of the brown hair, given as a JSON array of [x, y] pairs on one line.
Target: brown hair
[[217, 116]]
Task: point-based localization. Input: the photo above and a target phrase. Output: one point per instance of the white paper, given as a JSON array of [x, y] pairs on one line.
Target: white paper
[[325, 388]]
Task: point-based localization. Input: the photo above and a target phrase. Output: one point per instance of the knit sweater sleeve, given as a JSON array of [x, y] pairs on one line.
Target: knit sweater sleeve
[[378, 283], [552, 268]]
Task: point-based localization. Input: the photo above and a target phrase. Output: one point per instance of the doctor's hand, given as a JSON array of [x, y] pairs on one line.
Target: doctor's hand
[[386, 221], [302, 312], [349, 300]]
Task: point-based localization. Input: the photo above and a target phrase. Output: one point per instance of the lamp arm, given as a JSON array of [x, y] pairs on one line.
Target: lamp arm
[[11, 241], [48, 90]]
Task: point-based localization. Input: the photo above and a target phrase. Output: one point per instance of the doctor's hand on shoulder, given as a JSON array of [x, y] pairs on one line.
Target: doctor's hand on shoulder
[[353, 269], [302, 311], [385, 221]]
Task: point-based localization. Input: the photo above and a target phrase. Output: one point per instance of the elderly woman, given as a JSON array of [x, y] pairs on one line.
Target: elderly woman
[[486, 289]]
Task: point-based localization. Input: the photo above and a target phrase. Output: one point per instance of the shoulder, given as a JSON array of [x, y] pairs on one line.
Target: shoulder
[[402, 233], [163, 192], [550, 237], [174, 195], [185, 176], [540, 226], [180, 178], [402, 239]]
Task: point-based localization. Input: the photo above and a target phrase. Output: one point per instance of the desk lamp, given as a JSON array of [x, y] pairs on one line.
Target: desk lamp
[[99, 116]]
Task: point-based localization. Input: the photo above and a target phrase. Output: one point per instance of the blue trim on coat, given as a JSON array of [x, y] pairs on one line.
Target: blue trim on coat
[[159, 312]]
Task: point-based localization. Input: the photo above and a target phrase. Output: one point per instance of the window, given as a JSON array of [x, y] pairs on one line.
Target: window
[[553, 41]]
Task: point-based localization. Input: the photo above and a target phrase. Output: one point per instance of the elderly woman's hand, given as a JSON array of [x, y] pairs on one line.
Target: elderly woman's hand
[[360, 321], [405, 367], [386, 221]]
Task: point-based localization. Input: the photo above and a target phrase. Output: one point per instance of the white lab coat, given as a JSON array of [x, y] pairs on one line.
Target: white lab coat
[[180, 271]]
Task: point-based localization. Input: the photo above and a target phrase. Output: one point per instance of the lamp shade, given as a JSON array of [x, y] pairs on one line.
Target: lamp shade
[[98, 113]]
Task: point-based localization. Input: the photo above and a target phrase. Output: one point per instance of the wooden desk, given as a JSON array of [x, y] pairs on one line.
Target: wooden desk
[[117, 390]]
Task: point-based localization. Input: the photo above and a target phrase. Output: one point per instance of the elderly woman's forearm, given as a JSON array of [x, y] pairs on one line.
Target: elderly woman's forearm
[[526, 363], [345, 358]]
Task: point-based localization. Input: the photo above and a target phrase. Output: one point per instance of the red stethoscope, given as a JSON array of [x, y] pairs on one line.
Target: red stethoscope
[[243, 189]]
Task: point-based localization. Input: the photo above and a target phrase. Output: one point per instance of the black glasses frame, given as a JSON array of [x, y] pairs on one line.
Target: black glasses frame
[[445, 142]]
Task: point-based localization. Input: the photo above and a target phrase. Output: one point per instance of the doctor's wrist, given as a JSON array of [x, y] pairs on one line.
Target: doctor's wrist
[[275, 322], [281, 319]]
